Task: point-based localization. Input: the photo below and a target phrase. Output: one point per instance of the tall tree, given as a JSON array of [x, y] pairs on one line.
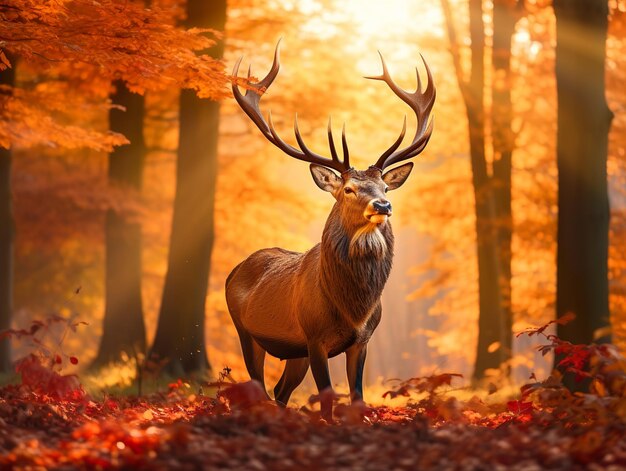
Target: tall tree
[[110, 41], [7, 79], [492, 187], [584, 121], [506, 13], [123, 327], [180, 337]]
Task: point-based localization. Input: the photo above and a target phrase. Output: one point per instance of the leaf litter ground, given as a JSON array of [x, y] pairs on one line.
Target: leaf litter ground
[[178, 430], [49, 422]]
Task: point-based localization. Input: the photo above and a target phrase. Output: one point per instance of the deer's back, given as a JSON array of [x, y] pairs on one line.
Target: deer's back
[[261, 293]]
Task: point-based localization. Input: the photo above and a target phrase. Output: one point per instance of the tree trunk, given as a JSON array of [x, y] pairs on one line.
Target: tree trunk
[[123, 325], [180, 337], [505, 16], [7, 77], [584, 120], [490, 304], [492, 193]]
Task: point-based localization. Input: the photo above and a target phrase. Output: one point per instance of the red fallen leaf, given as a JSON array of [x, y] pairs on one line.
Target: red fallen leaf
[[519, 407], [244, 394], [74, 360], [176, 385], [58, 360], [111, 404], [394, 414]]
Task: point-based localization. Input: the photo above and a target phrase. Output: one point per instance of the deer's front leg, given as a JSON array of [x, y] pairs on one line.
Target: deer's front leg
[[355, 364], [319, 367]]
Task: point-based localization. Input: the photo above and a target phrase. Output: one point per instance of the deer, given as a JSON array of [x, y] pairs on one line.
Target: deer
[[308, 307]]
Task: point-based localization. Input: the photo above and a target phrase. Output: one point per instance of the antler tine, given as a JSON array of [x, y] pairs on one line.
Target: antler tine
[[344, 143], [421, 103], [278, 142], [419, 79], [249, 103], [331, 141], [305, 154]]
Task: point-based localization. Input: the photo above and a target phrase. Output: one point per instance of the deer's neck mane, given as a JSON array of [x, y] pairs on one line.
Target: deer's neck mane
[[354, 266]]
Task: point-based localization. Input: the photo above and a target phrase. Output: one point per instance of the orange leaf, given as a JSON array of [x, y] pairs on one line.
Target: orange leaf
[[495, 346]]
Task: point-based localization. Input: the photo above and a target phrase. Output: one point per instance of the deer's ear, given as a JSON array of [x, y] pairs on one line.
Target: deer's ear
[[395, 177], [325, 178]]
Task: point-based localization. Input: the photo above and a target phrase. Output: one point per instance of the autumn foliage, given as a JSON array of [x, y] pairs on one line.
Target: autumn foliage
[[76, 48]]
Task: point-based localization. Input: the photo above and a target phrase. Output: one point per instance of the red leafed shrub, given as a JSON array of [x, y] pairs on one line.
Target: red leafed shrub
[[44, 380], [41, 370], [435, 405], [602, 363], [604, 368], [424, 384]]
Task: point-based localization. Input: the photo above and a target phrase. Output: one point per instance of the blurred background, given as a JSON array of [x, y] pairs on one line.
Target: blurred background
[[494, 195]]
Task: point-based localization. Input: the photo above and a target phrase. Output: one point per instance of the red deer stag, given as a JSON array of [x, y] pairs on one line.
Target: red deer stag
[[308, 307]]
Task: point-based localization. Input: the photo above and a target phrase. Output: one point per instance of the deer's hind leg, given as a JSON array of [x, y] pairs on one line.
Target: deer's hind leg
[[254, 357], [295, 370]]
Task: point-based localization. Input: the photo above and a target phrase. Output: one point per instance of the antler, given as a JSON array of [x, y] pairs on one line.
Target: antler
[[421, 104], [250, 105]]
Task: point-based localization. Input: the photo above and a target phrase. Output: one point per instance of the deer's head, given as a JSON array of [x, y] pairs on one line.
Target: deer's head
[[361, 195]]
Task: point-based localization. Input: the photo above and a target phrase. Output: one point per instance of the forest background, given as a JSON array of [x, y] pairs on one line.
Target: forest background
[[70, 198]]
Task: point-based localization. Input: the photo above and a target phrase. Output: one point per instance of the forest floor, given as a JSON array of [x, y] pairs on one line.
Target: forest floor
[[549, 428], [49, 421]]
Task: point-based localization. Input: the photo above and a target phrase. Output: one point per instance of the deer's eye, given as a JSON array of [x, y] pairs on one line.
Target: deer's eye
[[386, 189], [348, 191]]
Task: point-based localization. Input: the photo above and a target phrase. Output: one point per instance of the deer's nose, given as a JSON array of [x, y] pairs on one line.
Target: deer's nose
[[382, 206]]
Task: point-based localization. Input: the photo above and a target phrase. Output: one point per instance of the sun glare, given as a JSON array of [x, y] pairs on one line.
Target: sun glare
[[380, 18], [396, 27]]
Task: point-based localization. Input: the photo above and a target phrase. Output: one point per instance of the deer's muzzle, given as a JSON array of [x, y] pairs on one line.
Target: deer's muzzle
[[382, 207], [378, 211]]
